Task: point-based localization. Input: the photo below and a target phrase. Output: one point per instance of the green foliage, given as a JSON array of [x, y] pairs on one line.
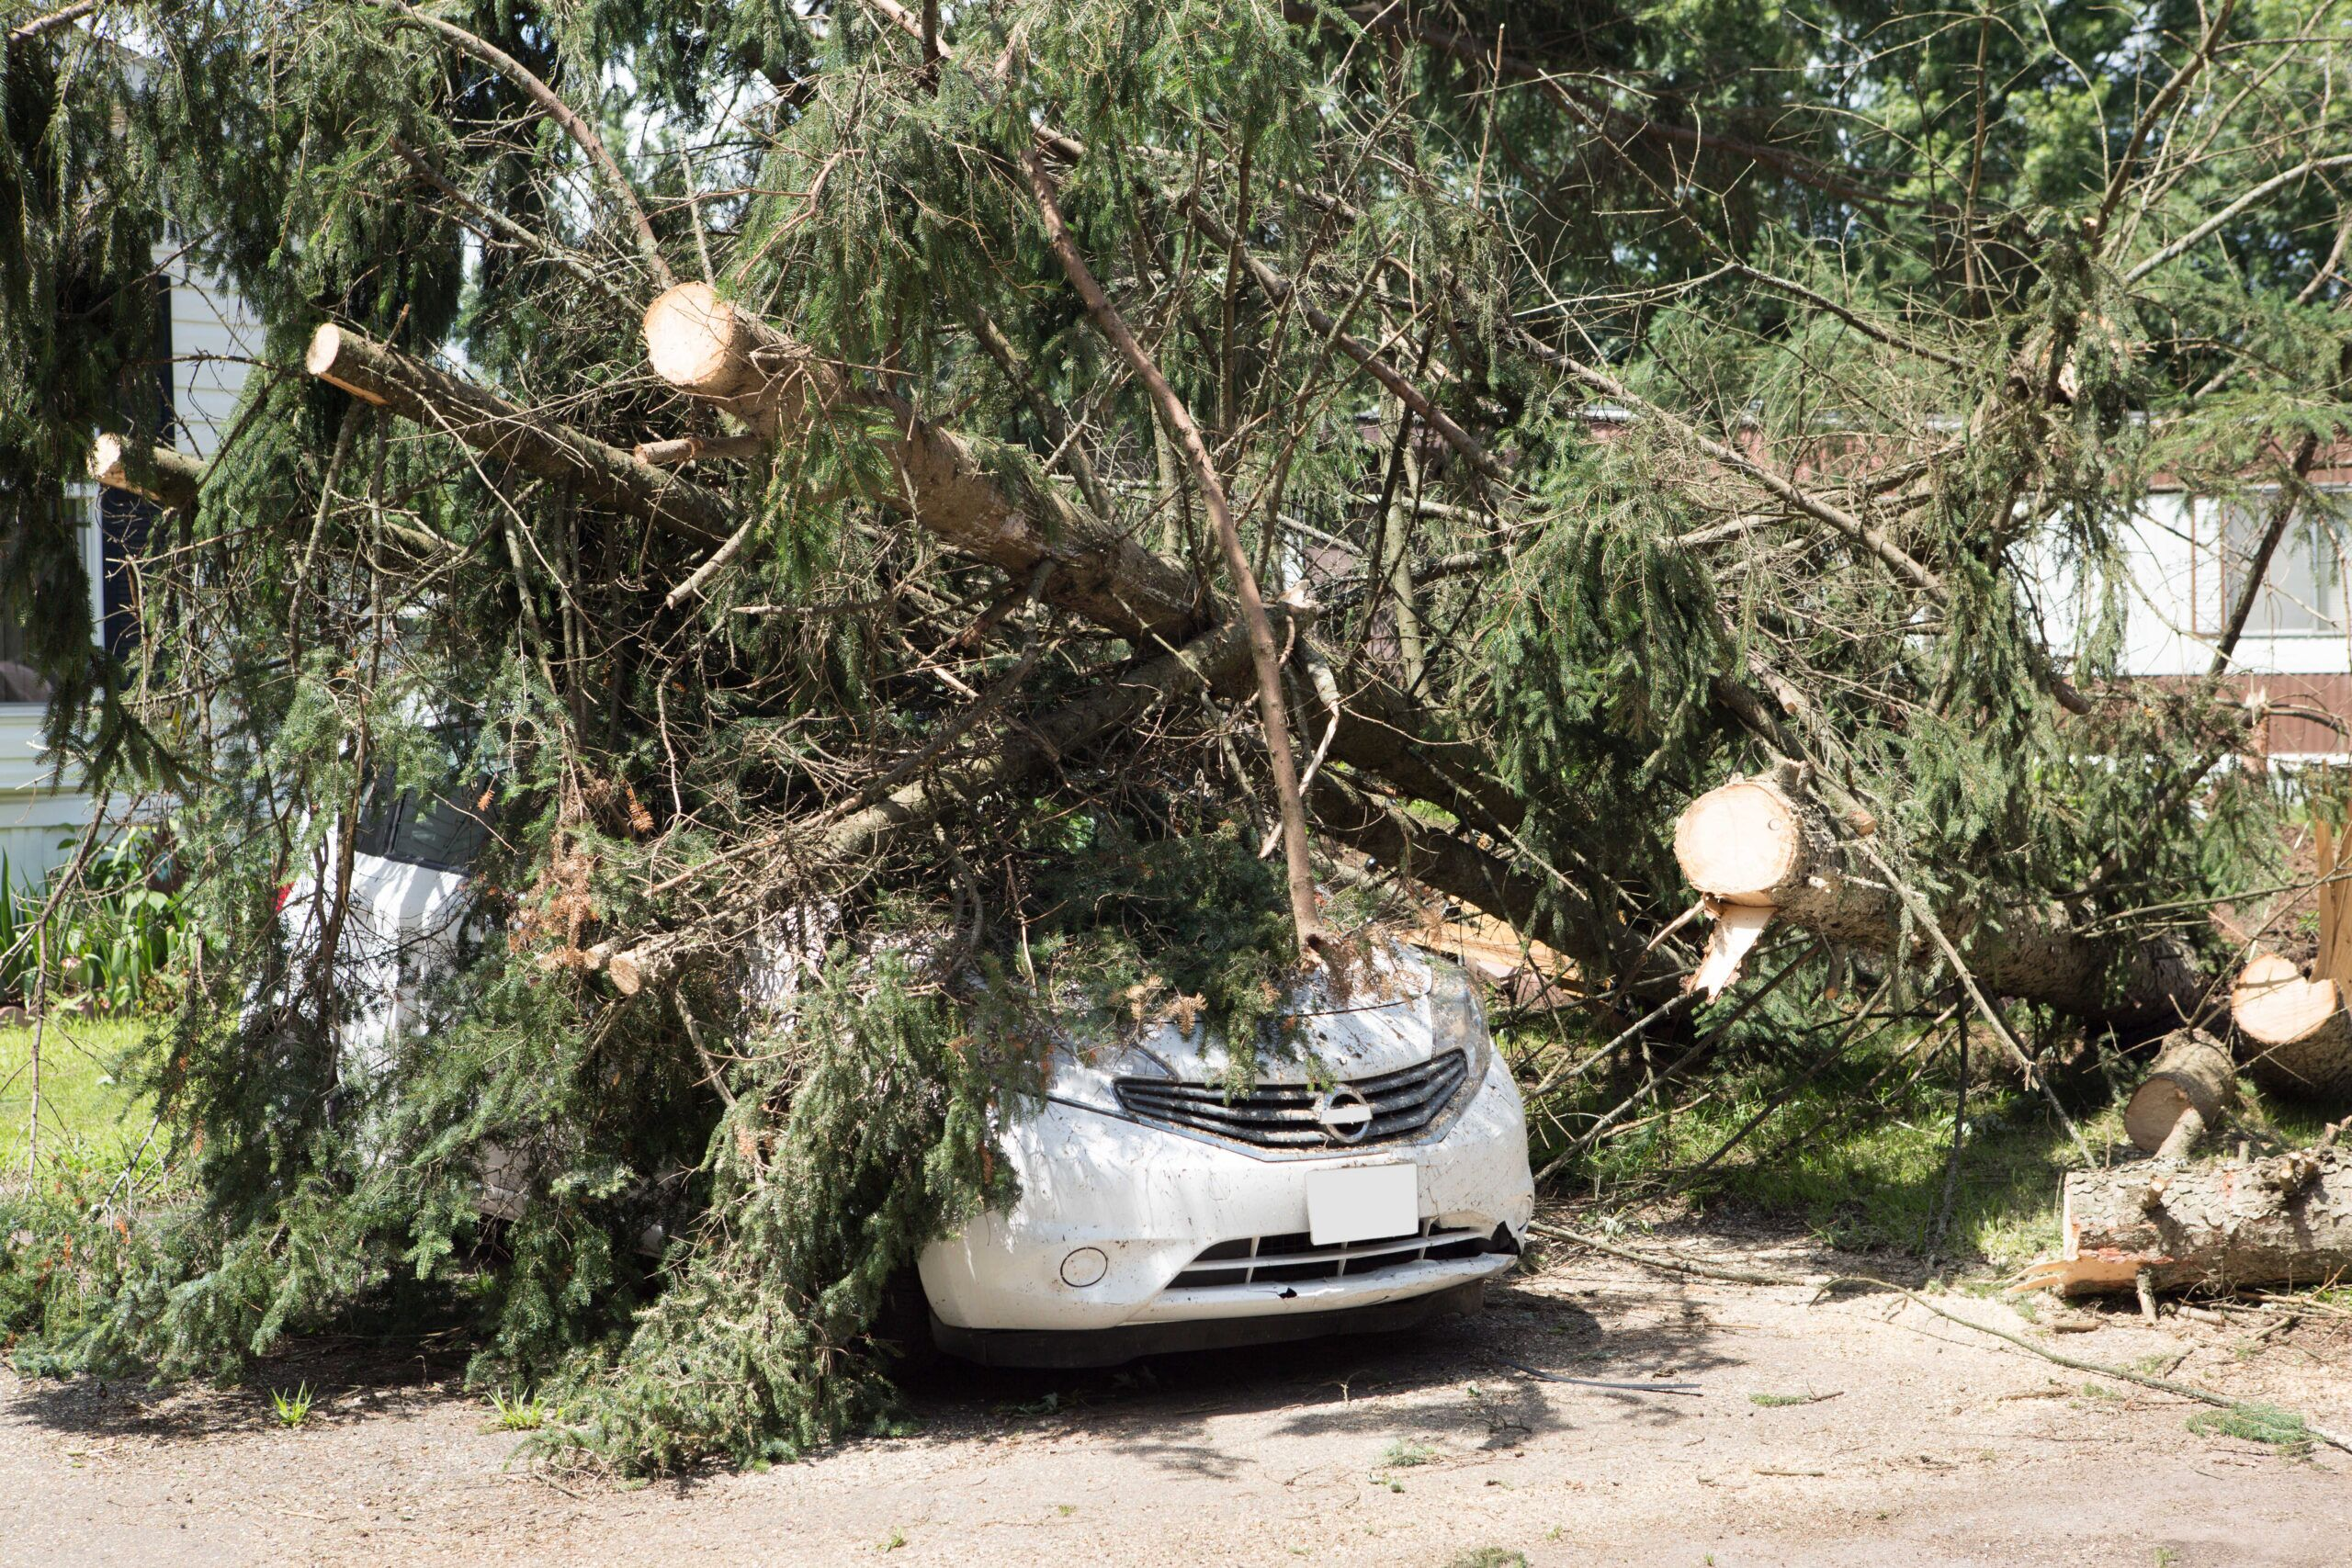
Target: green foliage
[[1852, 245], [292, 1408], [823, 1189], [2254, 1422], [1129, 930]]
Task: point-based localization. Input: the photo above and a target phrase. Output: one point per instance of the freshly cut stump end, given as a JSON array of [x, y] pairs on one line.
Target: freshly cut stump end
[[2192, 1074], [1740, 843], [2298, 1037]]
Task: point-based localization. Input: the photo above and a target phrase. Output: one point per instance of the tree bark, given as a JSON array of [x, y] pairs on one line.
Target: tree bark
[[604, 476], [1761, 842], [2282, 1220], [2193, 1077], [2298, 1037], [700, 448], [722, 354], [154, 473]]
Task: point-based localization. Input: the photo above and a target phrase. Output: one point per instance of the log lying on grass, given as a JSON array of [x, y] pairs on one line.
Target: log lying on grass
[[2286, 1219], [2298, 1037], [2186, 1093], [154, 473], [1763, 844]]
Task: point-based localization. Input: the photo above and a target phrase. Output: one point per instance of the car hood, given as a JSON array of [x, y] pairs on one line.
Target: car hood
[[1379, 1023]]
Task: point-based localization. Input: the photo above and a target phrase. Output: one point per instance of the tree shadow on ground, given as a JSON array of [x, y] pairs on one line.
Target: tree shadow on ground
[[348, 1378], [1161, 1408]]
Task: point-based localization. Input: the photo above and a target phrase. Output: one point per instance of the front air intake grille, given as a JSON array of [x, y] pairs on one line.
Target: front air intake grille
[[1283, 1260], [1355, 1114]]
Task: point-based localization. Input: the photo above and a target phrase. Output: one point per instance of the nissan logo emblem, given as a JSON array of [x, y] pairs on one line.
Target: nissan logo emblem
[[1345, 1114]]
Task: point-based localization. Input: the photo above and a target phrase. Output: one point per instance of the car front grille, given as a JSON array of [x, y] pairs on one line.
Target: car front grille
[[1296, 1116], [1269, 1260]]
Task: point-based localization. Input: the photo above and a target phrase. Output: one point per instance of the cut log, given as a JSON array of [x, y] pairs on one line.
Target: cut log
[[2282, 1220], [2298, 1038], [1763, 843], [604, 476], [153, 473], [2193, 1081], [725, 356]]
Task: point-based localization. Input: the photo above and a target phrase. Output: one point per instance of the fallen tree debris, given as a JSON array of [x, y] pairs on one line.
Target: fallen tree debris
[[2189, 1090], [2156, 1225]]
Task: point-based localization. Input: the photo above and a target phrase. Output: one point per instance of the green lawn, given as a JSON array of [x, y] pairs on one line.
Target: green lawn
[[81, 1100], [1857, 1152]]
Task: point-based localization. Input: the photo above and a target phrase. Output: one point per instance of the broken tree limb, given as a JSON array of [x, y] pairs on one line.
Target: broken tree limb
[[140, 468], [2188, 1092], [2286, 1219], [845, 850], [1265, 654], [1101, 574], [700, 448], [720, 354], [1762, 843], [2298, 1036], [602, 475]]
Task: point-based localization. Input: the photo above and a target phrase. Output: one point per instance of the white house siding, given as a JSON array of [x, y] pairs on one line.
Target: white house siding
[[214, 338]]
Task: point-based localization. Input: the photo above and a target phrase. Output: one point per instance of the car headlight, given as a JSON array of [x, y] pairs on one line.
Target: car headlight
[[1456, 1021], [1071, 1077]]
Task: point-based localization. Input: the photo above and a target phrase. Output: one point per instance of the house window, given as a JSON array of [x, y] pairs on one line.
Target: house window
[[2303, 593], [20, 684]]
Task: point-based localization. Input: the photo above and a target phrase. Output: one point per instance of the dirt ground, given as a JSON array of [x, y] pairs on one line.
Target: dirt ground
[[1918, 1442]]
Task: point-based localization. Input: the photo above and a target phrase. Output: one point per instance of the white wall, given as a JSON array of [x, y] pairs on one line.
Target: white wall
[[213, 338], [2174, 605]]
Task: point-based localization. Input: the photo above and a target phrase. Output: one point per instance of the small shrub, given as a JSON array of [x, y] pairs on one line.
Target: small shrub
[[292, 1409], [519, 1412]]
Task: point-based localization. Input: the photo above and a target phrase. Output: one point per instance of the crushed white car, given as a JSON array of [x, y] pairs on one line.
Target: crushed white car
[[1373, 1177]]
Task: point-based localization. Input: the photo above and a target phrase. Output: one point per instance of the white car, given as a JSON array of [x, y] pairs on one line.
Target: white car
[[1378, 1181], [1372, 1179]]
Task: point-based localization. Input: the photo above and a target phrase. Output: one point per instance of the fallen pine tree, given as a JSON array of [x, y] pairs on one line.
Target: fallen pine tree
[[898, 563]]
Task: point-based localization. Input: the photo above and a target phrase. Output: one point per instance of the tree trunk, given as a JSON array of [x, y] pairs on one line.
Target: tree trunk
[[2298, 1037], [2192, 1079], [717, 352], [602, 475], [1761, 842], [155, 473], [724, 355], [2283, 1220]]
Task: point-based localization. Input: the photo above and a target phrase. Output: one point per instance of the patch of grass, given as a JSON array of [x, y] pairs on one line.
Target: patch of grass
[[2256, 1423], [291, 1409], [83, 1102], [892, 1542], [1405, 1453], [1489, 1557], [518, 1412], [1857, 1152]]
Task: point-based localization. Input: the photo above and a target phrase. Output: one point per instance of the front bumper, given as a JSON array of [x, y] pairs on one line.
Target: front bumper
[[1150, 1201]]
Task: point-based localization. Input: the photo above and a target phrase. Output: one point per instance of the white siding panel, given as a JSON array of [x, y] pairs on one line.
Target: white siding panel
[[214, 337]]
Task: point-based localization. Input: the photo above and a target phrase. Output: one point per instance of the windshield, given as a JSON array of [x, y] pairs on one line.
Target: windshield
[[437, 829]]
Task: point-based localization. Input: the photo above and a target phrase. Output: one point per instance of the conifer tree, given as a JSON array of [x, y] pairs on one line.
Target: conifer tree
[[1117, 436]]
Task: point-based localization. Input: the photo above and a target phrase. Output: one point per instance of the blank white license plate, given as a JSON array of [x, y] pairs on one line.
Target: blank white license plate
[[1364, 1202]]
